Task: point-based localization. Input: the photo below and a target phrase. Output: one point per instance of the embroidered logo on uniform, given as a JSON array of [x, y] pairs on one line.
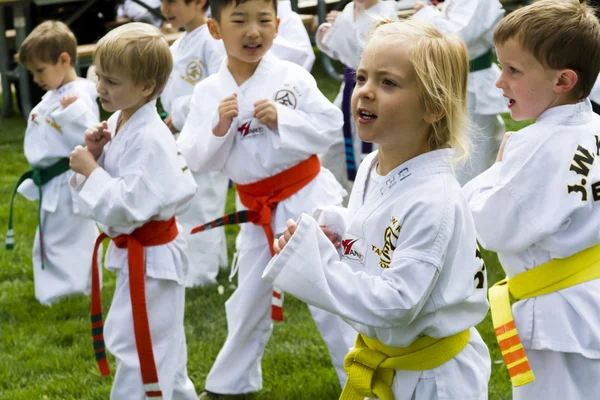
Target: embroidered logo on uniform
[[251, 127], [390, 239], [193, 71], [53, 123], [352, 250], [286, 98], [34, 119]]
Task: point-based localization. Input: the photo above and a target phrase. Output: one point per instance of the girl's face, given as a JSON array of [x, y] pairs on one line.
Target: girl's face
[[181, 14], [386, 102]]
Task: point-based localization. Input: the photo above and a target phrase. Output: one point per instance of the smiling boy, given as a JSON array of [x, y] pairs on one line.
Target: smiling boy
[[261, 120], [537, 206]]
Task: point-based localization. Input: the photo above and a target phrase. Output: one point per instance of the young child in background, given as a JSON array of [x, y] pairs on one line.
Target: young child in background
[[342, 38], [133, 182], [139, 13], [63, 240], [474, 21], [292, 42], [196, 55], [401, 263], [261, 120], [537, 206]]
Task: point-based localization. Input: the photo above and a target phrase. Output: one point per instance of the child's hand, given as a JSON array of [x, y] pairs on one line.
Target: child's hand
[[169, 123], [335, 239], [322, 32], [266, 113], [68, 99], [419, 5], [505, 139], [228, 110], [96, 138], [280, 243], [332, 16], [82, 161]]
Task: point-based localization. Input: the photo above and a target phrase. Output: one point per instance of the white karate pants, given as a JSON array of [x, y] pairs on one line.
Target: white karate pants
[[237, 368], [165, 301]]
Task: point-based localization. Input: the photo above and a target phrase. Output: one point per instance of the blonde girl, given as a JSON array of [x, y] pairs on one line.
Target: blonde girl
[[400, 264]]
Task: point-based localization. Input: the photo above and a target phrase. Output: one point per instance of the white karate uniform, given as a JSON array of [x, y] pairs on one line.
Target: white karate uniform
[[523, 210], [197, 55], [407, 267], [138, 13], [474, 21], [52, 133], [595, 94], [345, 41], [292, 42], [142, 178], [248, 153]]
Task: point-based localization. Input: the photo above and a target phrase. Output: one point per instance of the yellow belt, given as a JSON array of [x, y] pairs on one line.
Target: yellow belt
[[370, 364], [547, 278]]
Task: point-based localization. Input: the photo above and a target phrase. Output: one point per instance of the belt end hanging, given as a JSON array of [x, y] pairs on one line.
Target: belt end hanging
[[10, 239]]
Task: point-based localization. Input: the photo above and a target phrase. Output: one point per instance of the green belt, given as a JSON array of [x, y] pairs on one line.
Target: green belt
[[40, 177], [484, 61]]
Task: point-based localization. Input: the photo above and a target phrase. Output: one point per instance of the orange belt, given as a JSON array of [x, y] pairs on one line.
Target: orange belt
[[261, 198], [153, 233]]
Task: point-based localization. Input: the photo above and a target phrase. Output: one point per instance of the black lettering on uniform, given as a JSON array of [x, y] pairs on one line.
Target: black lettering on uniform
[[596, 191], [480, 275], [597, 145], [581, 160], [578, 188]]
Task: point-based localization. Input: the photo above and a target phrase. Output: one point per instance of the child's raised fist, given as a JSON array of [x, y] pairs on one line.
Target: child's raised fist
[[266, 113], [228, 110], [68, 99], [96, 138], [82, 161]]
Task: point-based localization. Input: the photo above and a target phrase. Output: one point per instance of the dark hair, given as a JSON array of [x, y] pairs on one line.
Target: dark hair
[[204, 7], [217, 6]]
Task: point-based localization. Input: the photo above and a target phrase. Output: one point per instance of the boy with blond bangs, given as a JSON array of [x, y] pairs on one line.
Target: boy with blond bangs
[[400, 264], [261, 120], [537, 206], [63, 240], [196, 55], [132, 181]]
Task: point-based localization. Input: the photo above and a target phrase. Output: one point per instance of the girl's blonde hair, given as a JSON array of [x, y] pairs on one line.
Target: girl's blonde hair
[[140, 50], [441, 65]]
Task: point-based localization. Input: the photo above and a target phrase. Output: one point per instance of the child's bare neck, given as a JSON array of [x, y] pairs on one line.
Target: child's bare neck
[[241, 71], [195, 23], [128, 113], [71, 76], [389, 157], [361, 7]]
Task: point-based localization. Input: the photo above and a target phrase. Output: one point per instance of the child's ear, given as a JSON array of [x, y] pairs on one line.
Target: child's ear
[[277, 25], [214, 28], [567, 79], [434, 116], [64, 59], [148, 88]]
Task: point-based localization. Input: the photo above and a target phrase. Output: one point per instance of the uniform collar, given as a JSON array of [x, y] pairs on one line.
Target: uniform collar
[[569, 114]]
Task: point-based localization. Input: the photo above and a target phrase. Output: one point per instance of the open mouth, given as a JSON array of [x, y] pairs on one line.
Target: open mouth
[[365, 115], [511, 102], [252, 47]]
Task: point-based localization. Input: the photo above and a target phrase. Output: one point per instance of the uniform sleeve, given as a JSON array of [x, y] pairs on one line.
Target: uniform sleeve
[[341, 42], [202, 150], [293, 42], [510, 207], [309, 268], [145, 191], [215, 54], [313, 126], [76, 118], [180, 108], [460, 19]]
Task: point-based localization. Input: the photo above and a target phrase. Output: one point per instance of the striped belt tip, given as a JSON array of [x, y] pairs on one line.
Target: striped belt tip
[[153, 391], [10, 239]]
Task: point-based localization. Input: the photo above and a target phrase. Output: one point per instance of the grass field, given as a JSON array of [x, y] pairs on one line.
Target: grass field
[[46, 353]]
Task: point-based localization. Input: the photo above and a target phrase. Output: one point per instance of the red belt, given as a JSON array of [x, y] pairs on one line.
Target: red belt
[[153, 233], [261, 198]]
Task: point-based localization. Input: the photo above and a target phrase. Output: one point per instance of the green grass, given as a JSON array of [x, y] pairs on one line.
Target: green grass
[[46, 353]]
